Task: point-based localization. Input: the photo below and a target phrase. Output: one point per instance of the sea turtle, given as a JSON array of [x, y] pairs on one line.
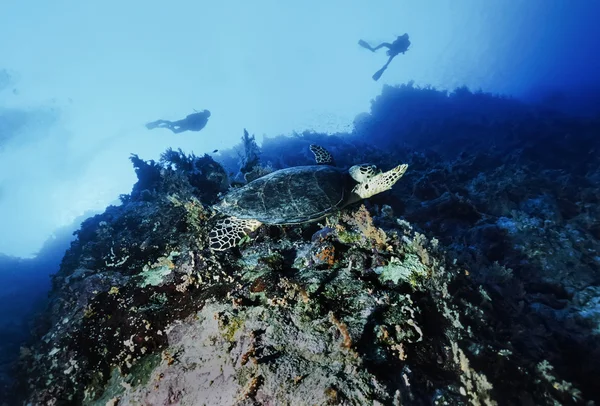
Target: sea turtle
[[296, 195]]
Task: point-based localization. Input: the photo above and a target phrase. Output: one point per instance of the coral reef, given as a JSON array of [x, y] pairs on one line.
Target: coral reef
[[474, 281]]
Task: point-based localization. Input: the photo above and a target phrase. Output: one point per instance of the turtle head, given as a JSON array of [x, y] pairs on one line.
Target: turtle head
[[363, 172], [372, 181]]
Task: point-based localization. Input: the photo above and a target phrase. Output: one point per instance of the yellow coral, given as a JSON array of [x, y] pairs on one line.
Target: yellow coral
[[362, 221]]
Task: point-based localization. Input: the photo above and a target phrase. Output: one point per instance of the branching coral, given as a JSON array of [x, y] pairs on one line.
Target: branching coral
[[361, 227], [250, 157]]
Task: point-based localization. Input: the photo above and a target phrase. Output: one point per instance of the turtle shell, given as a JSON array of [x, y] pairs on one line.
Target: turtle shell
[[290, 196]]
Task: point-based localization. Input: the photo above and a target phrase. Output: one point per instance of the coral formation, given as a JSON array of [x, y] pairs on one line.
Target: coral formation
[[475, 281]]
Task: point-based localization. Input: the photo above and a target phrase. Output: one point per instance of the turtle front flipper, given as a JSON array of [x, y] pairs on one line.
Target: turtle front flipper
[[322, 156], [228, 232]]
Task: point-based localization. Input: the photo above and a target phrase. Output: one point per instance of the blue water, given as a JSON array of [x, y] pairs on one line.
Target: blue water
[[79, 82]]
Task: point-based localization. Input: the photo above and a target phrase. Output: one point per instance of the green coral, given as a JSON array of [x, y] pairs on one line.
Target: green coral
[[113, 389], [229, 325], [142, 370], [349, 237], [139, 374], [410, 270], [155, 273]]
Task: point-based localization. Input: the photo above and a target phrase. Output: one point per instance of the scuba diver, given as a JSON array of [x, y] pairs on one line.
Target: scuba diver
[[399, 46], [193, 122]]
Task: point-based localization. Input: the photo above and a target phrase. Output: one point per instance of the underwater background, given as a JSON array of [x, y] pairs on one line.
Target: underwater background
[[474, 280]]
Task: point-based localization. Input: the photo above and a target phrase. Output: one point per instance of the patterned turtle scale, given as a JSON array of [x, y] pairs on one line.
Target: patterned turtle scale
[[290, 196]]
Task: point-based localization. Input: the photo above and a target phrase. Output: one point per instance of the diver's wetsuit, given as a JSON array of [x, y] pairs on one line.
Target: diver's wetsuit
[[193, 122]]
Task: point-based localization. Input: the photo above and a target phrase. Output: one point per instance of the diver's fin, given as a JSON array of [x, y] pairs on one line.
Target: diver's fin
[[322, 156], [152, 125], [378, 74], [229, 232], [365, 45]]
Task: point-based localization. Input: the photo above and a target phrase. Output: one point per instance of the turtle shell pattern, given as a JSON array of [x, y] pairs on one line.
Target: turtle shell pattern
[[290, 196]]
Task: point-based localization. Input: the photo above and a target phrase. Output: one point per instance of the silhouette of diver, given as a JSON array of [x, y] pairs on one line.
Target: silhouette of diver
[[193, 122], [399, 46]]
